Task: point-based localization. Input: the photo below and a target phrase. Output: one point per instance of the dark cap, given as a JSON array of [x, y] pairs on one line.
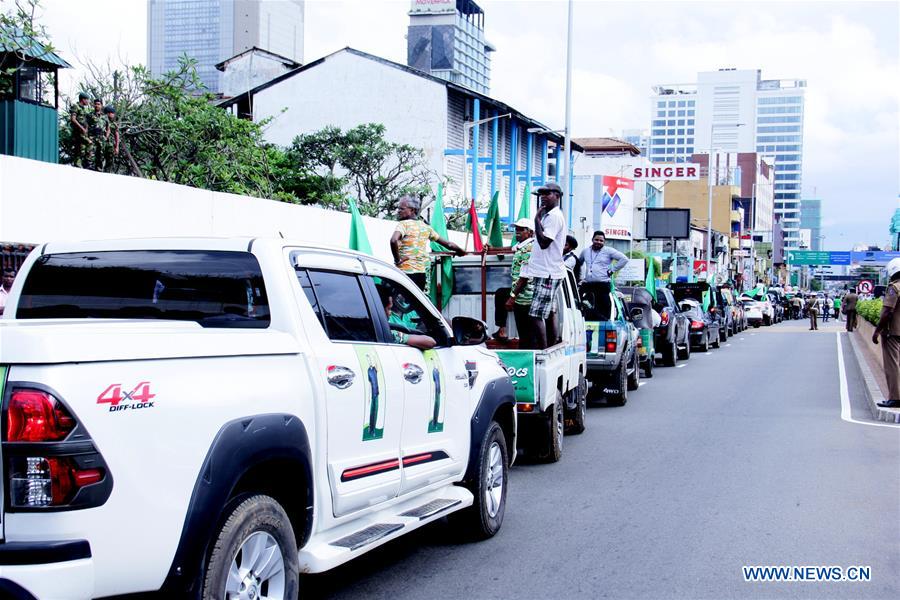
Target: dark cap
[[83, 96], [547, 188], [109, 108]]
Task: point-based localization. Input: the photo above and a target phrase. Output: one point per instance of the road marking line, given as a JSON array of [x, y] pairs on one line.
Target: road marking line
[[728, 345], [743, 338], [680, 366], [643, 383], [845, 395]]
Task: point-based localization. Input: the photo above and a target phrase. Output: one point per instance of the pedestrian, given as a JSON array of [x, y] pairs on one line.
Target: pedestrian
[[812, 308], [823, 308], [888, 328], [97, 130], [111, 140], [545, 267], [81, 141], [9, 275], [520, 303], [599, 263], [849, 308], [570, 258], [837, 307], [409, 244]]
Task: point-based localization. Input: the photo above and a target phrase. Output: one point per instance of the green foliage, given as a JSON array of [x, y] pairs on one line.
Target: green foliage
[[20, 30], [331, 165], [870, 310]]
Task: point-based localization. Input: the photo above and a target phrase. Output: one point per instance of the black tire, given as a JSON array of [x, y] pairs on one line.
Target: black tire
[[723, 334], [484, 518], [634, 380], [621, 377], [671, 354], [579, 413], [554, 430], [718, 342], [244, 517], [686, 353], [705, 346], [648, 369]]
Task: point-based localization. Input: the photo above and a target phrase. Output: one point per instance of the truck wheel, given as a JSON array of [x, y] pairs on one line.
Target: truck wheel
[[254, 553], [705, 346], [717, 343], [484, 518], [648, 368], [723, 335], [621, 378], [578, 414], [634, 380], [686, 353], [555, 429]]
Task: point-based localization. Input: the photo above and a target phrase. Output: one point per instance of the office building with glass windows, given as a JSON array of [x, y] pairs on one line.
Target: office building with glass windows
[[446, 39], [811, 218], [211, 31], [729, 111]]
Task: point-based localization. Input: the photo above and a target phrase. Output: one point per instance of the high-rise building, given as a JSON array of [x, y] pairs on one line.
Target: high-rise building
[[736, 111], [211, 31], [811, 218], [446, 39], [638, 138]]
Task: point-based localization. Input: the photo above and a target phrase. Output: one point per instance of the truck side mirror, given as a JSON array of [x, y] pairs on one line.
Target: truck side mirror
[[468, 331]]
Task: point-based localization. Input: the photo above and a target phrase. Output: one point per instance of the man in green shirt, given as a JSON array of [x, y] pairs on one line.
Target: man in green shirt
[[520, 303]]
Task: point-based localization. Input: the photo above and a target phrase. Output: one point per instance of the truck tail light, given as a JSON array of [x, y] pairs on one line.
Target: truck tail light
[[611, 341], [36, 416], [696, 324], [54, 475], [664, 318]]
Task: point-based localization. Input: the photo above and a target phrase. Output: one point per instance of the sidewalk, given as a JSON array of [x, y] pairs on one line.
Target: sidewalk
[[867, 356]]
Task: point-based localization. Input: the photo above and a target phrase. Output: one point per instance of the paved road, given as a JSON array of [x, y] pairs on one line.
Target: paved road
[[738, 458]]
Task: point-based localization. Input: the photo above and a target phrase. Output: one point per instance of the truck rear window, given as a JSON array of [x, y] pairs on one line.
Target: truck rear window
[[213, 288], [467, 280]]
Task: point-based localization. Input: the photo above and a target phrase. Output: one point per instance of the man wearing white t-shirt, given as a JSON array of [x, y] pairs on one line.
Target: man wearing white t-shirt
[[545, 268]]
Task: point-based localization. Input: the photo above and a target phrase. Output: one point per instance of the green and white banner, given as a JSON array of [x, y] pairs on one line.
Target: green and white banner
[[520, 368]]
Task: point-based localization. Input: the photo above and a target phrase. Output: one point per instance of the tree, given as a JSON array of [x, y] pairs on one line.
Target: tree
[[174, 133], [22, 39], [333, 165]]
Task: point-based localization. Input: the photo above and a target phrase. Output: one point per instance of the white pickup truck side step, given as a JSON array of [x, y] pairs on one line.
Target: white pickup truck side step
[[366, 536], [431, 508]]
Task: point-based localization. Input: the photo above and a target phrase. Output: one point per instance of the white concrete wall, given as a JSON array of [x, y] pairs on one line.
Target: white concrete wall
[[358, 90], [41, 202], [249, 71]]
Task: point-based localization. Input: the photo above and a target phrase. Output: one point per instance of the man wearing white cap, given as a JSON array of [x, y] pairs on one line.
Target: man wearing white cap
[[520, 302]]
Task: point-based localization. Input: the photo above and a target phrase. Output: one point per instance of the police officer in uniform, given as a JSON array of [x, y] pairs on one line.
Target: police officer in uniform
[[81, 142], [812, 307], [888, 330]]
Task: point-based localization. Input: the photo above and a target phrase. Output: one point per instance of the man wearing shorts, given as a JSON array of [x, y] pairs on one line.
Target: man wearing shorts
[[545, 267]]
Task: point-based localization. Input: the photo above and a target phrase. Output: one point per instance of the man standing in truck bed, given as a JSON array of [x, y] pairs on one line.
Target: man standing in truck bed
[[545, 267]]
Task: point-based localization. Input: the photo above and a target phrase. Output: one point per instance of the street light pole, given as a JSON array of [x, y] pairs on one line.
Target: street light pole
[[567, 160]]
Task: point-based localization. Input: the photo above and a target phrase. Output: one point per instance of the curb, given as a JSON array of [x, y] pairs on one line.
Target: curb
[[873, 391]]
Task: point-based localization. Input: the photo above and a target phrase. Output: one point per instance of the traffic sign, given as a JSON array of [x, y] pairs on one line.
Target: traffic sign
[[865, 287], [808, 257]]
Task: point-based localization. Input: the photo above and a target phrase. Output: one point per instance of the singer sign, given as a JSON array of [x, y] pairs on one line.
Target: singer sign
[[666, 172]]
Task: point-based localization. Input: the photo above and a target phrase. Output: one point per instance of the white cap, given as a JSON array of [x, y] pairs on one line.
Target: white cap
[[525, 223], [893, 267]]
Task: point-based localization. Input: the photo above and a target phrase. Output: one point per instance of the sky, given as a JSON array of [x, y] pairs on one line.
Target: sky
[[846, 51]]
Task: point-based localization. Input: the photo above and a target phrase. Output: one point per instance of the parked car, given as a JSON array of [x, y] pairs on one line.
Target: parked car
[[766, 307], [696, 291], [672, 335], [612, 354], [550, 384], [197, 408], [639, 305], [753, 310], [704, 327], [737, 322]]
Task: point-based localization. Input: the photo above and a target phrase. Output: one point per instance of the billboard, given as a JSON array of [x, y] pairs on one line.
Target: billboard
[[665, 223], [614, 206], [666, 172], [432, 7]]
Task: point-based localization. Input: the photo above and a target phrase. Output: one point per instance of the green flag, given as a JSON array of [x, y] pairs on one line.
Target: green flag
[[525, 207], [492, 224], [359, 241], [650, 282], [707, 299], [441, 270]]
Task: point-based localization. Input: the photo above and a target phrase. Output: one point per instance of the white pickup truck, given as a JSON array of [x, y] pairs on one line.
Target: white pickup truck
[[551, 384], [214, 417]]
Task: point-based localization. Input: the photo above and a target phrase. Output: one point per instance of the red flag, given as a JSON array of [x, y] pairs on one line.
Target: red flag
[[473, 224]]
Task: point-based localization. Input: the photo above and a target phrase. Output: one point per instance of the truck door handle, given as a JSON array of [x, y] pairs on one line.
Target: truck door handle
[[340, 377], [412, 372]]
